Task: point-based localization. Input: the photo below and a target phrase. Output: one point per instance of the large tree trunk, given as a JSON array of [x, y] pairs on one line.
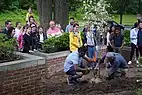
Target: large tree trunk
[[61, 12], [45, 12]]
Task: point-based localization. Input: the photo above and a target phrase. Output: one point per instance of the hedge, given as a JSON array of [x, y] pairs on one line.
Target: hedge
[[127, 37], [56, 44], [7, 48]]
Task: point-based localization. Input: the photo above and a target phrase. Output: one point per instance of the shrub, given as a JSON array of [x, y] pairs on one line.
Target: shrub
[[140, 60], [127, 37], [7, 47], [56, 44]]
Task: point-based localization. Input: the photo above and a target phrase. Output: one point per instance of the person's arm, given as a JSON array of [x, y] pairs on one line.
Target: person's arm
[[80, 39], [88, 59], [78, 69], [122, 42], [67, 30], [114, 67]]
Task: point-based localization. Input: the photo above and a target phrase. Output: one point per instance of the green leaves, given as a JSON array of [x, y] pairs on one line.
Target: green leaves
[[55, 44], [7, 47], [127, 37]]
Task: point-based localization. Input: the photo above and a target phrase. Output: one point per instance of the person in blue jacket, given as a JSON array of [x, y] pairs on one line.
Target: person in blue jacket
[[115, 65], [139, 38]]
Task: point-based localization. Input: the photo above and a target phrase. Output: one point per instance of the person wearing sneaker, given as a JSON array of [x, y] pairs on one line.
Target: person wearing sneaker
[[139, 37], [73, 64], [134, 47]]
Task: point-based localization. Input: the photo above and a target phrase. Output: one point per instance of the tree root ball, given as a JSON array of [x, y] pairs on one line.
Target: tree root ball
[[95, 80]]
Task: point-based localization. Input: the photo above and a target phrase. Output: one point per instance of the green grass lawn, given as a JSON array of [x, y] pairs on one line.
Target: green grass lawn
[[127, 19], [14, 16], [20, 15]]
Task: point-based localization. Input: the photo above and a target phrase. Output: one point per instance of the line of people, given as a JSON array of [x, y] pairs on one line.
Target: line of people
[[136, 41]]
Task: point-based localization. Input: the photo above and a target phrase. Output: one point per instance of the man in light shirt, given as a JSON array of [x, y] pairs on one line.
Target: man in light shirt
[[53, 30], [133, 38], [69, 27]]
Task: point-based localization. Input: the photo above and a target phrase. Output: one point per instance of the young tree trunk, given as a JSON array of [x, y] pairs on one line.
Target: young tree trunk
[[61, 12], [45, 12]]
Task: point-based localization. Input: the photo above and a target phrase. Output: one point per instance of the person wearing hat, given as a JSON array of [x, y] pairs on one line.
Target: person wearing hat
[[73, 64], [115, 65]]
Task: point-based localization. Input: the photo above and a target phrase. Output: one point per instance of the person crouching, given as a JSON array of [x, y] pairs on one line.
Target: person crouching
[[73, 65], [116, 65]]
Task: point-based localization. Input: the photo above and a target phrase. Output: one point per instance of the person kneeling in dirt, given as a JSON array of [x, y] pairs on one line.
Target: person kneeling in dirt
[[73, 64], [116, 65]]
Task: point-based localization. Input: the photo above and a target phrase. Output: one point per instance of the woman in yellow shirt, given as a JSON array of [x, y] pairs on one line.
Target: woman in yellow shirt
[[75, 38], [29, 14]]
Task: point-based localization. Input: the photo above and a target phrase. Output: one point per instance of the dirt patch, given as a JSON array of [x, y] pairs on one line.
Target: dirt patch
[[56, 85]]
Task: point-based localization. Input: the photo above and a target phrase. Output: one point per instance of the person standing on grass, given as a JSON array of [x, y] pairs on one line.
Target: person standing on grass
[[41, 37], [29, 14], [73, 64], [134, 47], [32, 21], [17, 30], [139, 38], [53, 30], [20, 38], [11, 32], [117, 40], [27, 40], [75, 40], [8, 24], [70, 26]]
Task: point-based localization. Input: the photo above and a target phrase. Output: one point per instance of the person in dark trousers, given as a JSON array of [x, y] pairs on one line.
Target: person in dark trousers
[[27, 40], [41, 37], [133, 38], [139, 37], [109, 36], [117, 40]]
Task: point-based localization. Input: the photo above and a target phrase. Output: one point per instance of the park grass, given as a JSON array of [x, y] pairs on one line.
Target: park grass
[[127, 19], [20, 15], [14, 16]]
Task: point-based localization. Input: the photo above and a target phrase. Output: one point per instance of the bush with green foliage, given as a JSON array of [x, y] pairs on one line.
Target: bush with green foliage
[[127, 37], [7, 48], [56, 44]]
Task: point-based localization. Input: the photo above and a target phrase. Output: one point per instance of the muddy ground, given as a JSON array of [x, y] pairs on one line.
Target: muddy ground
[[56, 85]]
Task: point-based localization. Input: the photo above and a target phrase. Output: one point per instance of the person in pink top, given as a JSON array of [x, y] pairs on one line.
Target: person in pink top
[[20, 38], [53, 30]]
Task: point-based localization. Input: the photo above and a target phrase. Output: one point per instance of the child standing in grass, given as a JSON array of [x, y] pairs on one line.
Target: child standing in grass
[[30, 13]]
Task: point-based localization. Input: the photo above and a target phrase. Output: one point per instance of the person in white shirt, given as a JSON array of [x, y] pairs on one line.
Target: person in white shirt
[[133, 38], [17, 30]]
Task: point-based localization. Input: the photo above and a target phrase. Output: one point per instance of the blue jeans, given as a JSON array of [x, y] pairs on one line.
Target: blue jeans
[[91, 52]]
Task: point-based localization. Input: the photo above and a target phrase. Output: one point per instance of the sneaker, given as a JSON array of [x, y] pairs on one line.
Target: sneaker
[[69, 81], [130, 62], [137, 61], [35, 50]]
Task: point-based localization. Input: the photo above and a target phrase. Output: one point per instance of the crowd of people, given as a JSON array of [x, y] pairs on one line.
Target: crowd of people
[[31, 37], [86, 49]]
